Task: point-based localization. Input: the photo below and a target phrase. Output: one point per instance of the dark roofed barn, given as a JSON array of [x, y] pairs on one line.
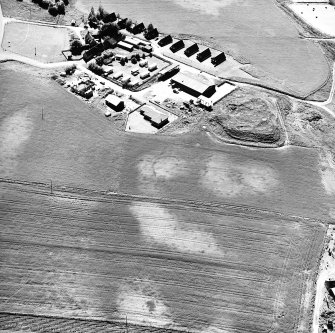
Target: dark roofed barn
[[165, 41], [110, 43], [192, 86], [138, 28], [205, 54], [193, 49], [177, 46], [218, 59], [122, 23], [93, 52]]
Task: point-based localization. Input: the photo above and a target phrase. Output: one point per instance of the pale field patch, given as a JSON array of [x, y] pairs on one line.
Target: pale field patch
[[163, 167], [327, 172], [228, 179], [142, 305], [210, 7], [320, 16], [14, 132], [158, 225]]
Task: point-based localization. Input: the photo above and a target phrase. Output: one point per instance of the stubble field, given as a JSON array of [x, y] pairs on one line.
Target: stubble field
[[206, 237], [161, 263]]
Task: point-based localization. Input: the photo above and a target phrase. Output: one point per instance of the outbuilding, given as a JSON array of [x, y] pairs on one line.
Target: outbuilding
[[125, 46], [193, 86], [143, 63], [117, 75], [165, 41], [205, 54], [218, 59], [156, 118], [193, 49], [152, 67], [133, 41], [115, 102], [177, 46], [144, 75], [138, 28]]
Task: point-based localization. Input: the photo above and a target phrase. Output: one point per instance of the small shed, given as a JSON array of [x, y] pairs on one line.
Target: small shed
[[114, 102], [125, 46], [144, 75], [117, 75], [193, 49], [165, 41], [138, 28], [205, 54], [143, 63], [177, 46], [146, 48], [152, 67], [218, 59]]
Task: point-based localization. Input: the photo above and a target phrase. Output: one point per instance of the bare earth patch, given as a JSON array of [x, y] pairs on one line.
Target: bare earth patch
[[327, 171]]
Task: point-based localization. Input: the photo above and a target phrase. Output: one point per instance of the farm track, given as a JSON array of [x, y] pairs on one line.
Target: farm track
[[79, 193]]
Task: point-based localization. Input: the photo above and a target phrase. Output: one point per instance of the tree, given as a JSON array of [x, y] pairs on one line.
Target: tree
[[66, 2], [99, 60], [76, 47], [61, 7], [70, 70], [92, 19], [129, 22], [101, 13], [53, 9], [45, 4], [150, 27], [110, 29]]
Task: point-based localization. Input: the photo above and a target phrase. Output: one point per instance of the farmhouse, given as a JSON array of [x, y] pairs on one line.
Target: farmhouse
[[138, 28], [114, 102], [125, 46], [156, 118], [165, 41], [192, 86], [177, 46], [93, 52], [205, 54], [193, 49], [218, 59]]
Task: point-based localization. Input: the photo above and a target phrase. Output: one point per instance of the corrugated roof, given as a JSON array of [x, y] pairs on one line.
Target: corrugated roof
[[196, 85]]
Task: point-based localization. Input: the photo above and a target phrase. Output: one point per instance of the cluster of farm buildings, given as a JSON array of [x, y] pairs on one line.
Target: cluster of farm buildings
[[132, 61]]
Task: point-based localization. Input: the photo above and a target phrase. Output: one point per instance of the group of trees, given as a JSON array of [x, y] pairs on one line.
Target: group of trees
[[54, 8]]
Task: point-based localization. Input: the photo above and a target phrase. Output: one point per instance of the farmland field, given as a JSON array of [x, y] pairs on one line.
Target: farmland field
[[175, 232], [162, 263], [269, 41], [23, 38]]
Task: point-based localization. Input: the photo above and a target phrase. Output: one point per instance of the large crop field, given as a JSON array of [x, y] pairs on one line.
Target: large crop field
[[160, 263], [175, 232]]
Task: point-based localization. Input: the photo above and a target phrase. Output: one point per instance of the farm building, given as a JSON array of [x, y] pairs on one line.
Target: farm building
[[144, 75], [122, 23], [126, 79], [110, 18], [117, 75], [152, 67], [109, 43], [114, 102], [156, 118], [138, 28], [193, 49], [146, 48], [205, 54], [89, 40], [93, 52], [177, 46], [168, 72], [192, 86], [151, 34], [143, 63], [133, 41], [125, 46], [165, 41], [218, 59], [83, 90], [133, 83]]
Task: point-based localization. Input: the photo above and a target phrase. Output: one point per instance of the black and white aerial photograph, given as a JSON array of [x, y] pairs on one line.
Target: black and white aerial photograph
[[167, 166]]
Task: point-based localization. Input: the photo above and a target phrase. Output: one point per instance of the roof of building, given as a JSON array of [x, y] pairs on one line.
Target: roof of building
[[132, 41], [114, 100], [154, 115], [125, 44], [192, 83]]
